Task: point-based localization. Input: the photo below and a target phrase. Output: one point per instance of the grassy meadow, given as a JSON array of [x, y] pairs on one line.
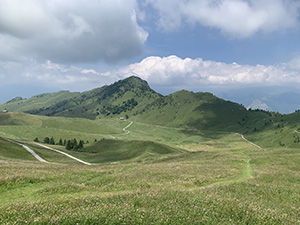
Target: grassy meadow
[[145, 175]]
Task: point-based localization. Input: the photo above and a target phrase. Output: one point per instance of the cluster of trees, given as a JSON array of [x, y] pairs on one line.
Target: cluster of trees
[[118, 109], [69, 144], [296, 138], [74, 145]]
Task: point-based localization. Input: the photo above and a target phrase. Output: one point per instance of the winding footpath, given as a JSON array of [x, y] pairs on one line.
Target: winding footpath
[[127, 131], [250, 142], [29, 150]]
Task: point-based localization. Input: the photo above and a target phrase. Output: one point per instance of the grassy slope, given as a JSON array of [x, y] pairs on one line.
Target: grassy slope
[[133, 97], [27, 127], [106, 101], [36, 102], [112, 150], [13, 152], [222, 180], [183, 109], [278, 131], [202, 111], [235, 184]]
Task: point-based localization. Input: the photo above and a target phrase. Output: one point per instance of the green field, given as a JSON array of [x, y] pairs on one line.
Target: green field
[[147, 174]]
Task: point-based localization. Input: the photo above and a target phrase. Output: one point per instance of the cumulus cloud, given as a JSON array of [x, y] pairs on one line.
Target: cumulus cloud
[[236, 18], [164, 74], [193, 74], [62, 31]]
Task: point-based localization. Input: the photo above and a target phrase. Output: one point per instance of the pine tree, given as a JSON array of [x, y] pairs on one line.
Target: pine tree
[[52, 142], [36, 140], [75, 144], [80, 145], [46, 140], [60, 142], [69, 145]]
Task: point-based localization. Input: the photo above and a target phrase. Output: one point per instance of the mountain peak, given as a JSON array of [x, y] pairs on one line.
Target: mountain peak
[[131, 83], [135, 81]]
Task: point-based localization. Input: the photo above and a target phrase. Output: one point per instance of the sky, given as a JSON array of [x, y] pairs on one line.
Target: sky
[[197, 45]]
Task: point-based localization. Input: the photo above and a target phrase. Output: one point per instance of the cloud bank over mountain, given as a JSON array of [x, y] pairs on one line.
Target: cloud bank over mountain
[[172, 72], [193, 73]]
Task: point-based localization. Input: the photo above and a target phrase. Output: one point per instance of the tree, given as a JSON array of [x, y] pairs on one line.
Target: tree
[[80, 145], [60, 142], [46, 140], [52, 142], [36, 140], [75, 143], [69, 145]]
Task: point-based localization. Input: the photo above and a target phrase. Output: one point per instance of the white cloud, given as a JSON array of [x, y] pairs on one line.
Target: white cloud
[[64, 31], [236, 18], [193, 74], [89, 71], [164, 74]]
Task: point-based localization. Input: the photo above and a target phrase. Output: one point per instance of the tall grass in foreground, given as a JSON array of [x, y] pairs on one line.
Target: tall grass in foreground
[[199, 188]]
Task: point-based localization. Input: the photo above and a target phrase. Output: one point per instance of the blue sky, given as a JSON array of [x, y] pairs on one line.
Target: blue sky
[[199, 45]]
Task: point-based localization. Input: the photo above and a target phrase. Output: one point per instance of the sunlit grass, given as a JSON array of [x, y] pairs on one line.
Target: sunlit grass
[[204, 187], [182, 177]]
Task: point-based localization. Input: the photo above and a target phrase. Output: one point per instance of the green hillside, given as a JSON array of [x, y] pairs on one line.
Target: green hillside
[[133, 98], [112, 150], [13, 152], [222, 180], [27, 127], [278, 131], [122, 98], [37, 102], [151, 173], [202, 111]]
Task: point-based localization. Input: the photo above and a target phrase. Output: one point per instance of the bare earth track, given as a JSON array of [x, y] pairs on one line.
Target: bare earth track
[[52, 149], [29, 150], [66, 154]]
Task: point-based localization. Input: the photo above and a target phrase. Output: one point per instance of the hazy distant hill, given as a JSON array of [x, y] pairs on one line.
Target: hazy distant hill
[[281, 99]]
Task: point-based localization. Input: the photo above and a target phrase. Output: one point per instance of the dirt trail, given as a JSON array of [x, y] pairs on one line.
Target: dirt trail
[[127, 131], [250, 142], [66, 154], [29, 150], [41, 159]]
